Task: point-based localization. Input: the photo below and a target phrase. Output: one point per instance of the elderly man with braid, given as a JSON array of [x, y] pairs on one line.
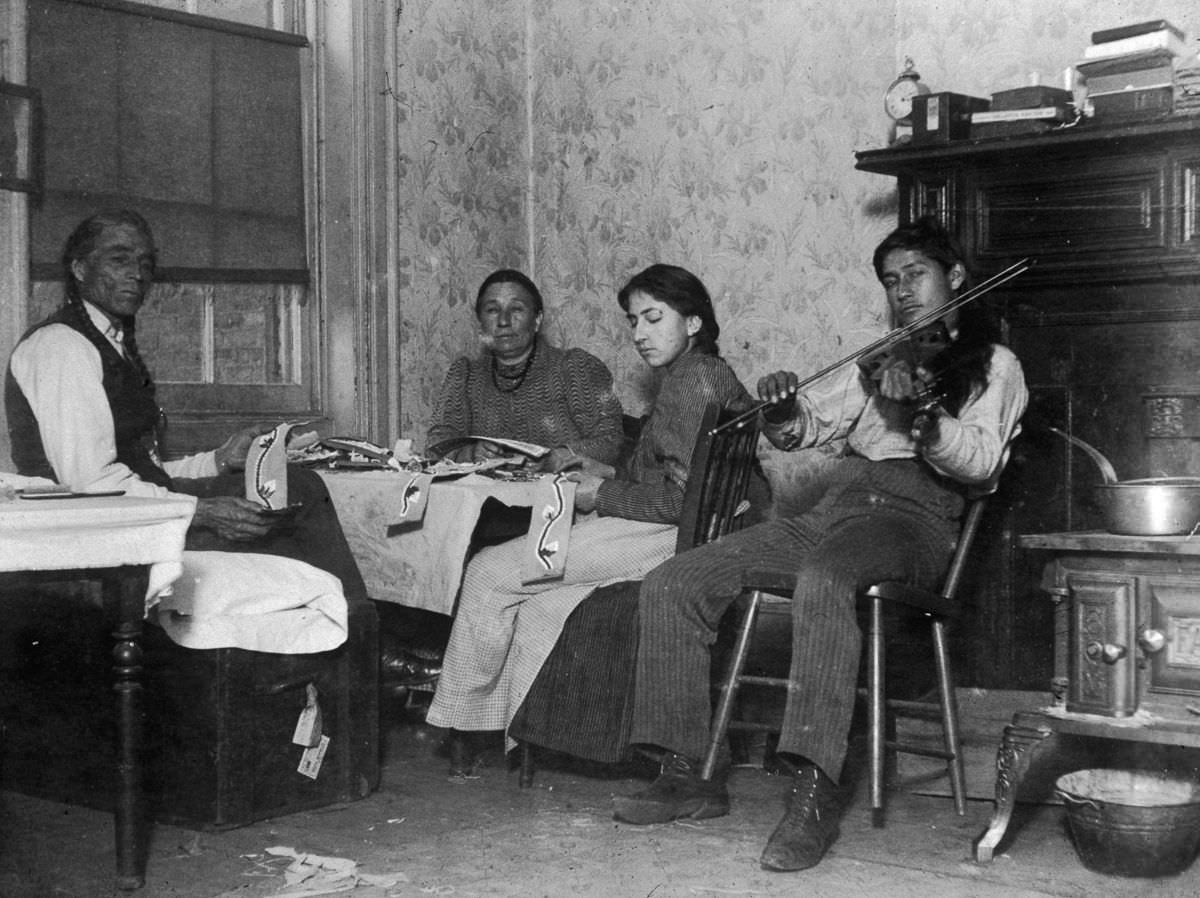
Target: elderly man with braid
[[522, 388], [82, 410]]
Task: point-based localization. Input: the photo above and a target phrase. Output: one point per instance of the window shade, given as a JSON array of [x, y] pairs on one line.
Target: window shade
[[194, 122]]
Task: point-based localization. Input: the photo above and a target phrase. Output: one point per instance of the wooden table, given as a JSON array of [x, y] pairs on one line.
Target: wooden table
[[131, 546], [1126, 653], [419, 563]]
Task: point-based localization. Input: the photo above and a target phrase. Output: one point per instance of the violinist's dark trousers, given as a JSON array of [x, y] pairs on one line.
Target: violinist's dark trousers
[[314, 535], [878, 520]]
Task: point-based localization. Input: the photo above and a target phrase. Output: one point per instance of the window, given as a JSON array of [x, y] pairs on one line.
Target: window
[[198, 124]]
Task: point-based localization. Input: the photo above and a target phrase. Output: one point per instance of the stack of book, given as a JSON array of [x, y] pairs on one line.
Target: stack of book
[[1130, 71], [1024, 110], [1187, 89]]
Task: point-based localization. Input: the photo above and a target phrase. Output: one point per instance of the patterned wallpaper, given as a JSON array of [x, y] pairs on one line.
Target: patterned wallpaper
[[463, 173], [712, 134], [583, 141]]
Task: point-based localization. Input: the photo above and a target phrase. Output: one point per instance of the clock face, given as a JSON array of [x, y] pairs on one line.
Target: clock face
[[897, 102]]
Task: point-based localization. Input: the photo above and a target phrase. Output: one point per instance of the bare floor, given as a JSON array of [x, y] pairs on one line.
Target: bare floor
[[487, 837]]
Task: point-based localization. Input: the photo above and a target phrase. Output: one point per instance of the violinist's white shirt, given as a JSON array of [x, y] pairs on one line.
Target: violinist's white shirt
[[971, 448]]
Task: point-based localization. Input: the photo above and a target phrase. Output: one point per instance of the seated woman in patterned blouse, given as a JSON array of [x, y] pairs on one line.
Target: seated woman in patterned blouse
[[522, 388], [625, 521]]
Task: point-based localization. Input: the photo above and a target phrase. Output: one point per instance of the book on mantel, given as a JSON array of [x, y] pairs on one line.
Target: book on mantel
[[1125, 63], [1030, 96], [1187, 89], [1168, 40], [1141, 79], [1032, 113], [1142, 103], [1121, 32], [1131, 85], [1012, 122], [1023, 110]]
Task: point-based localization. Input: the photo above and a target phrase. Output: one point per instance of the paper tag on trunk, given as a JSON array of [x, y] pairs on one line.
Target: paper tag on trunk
[[310, 761], [266, 468], [550, 530], [310, 725]]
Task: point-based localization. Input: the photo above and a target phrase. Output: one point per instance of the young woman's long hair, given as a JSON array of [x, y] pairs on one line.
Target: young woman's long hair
[[683, 292], [961, 369]]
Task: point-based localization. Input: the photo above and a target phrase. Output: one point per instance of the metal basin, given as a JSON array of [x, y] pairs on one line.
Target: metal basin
[[1155, 506], [1132, 823]]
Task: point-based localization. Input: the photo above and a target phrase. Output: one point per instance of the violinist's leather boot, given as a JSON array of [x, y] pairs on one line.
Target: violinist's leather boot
[[677, 792], [809, 825]]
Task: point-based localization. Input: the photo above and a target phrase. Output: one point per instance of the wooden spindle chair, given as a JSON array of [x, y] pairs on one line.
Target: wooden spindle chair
[[940, 606]]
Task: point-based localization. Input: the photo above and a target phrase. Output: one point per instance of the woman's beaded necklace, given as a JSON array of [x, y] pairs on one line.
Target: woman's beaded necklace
[[513, 381]]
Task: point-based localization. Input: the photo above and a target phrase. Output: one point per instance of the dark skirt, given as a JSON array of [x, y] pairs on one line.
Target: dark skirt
[[581, 702]]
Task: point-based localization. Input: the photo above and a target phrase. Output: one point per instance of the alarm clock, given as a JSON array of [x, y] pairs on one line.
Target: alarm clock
[[898, 101]]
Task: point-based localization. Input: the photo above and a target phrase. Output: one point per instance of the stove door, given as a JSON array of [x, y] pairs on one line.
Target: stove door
[[1172, 639], [1102, 651]]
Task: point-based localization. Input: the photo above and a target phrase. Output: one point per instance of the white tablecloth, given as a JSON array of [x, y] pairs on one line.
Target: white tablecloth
[[416, 564], [105, 531], [208, 599]]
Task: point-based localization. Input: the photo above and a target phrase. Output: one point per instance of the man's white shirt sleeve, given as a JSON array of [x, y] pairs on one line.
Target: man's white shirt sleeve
[[62, 377]]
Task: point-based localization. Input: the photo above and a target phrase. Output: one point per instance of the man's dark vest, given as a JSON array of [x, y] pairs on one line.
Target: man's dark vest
[[130, 397]]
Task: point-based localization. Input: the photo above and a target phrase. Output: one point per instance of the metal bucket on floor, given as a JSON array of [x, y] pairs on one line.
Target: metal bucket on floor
[[1132, 823]]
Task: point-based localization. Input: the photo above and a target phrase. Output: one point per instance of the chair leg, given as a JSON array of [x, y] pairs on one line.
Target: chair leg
[[954, 763], [876, 703], [525, 776], [729, 687]]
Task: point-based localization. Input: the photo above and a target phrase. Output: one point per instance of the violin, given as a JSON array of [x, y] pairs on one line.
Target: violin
[[923, 338], [918, 348]]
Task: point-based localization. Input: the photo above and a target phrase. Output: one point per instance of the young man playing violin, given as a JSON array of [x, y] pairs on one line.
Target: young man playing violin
[[891, 511]]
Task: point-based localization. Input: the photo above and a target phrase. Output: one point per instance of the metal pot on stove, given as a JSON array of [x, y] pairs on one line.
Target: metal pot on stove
[[1154, 506], [1151, 506]]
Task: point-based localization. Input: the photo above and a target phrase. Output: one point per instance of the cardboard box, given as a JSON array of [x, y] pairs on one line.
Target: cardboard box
[[943, 117]]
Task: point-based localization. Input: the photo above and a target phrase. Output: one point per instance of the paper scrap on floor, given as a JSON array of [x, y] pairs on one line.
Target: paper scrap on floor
[[309, 875]]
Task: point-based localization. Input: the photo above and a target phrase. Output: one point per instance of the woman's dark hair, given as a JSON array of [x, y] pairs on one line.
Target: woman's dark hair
[[83, 240], [962, 368], [509, 276], [927, 236], [683, 292]]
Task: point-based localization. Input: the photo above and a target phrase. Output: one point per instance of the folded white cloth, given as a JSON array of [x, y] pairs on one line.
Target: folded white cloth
[[263, 603], [10, 482]]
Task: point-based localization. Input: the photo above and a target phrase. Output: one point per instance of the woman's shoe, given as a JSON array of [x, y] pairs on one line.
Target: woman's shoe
[[404, 666], [464, 755], [677, 792]]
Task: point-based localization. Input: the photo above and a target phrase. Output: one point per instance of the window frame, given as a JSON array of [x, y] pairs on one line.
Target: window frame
[[196, 402]]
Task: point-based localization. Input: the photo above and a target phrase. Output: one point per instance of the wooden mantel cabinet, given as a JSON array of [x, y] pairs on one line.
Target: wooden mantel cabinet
[[1106, 323]]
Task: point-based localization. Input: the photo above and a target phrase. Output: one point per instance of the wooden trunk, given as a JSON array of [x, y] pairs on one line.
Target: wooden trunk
[[218, 723]]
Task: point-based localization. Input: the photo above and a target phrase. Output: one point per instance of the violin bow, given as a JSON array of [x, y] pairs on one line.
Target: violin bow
[[899, 333]]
